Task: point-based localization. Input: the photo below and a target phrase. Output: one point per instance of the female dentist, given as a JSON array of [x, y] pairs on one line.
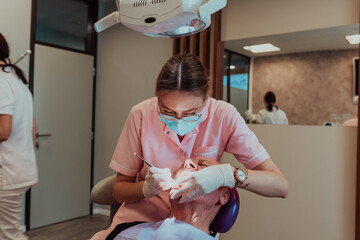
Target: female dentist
[[181, 122]]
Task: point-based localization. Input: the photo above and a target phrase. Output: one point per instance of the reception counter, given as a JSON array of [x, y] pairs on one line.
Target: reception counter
[[320, 165]]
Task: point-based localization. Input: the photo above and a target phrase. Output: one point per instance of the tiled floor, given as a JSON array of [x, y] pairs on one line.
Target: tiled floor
[[77, 229]]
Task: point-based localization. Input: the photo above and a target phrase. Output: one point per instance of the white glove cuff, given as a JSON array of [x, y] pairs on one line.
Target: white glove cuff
[[146, 191], [228, 173]]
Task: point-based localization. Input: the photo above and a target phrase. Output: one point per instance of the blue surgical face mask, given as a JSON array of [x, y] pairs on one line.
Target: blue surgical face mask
[[181, 127]]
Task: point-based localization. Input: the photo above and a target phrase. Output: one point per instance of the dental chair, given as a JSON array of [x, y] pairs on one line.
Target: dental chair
[[227, 214], [102, 193], [224, 220]]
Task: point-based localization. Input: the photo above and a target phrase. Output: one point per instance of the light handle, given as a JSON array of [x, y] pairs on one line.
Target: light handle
[[108, 21], [211, 7]]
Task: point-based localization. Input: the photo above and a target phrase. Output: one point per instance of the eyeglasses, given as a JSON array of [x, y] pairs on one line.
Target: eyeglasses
[[186, 117]]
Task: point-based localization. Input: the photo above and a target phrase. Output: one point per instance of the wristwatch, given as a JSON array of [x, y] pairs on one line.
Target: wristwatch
[[240, 175]]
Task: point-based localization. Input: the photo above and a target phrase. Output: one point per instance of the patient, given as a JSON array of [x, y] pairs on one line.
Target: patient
[[190, 220]]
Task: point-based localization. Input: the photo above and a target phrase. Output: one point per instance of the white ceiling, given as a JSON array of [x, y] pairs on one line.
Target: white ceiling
[[306, 41]]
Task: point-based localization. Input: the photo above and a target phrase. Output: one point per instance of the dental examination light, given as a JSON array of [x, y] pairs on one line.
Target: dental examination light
[[163, 18]]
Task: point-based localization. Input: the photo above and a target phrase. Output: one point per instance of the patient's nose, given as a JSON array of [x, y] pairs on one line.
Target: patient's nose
[[189, 163]]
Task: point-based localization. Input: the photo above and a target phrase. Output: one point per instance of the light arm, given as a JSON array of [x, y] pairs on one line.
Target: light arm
[[211, 7], [107, 22]]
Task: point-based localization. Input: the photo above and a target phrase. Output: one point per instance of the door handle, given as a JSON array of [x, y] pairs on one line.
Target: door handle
[[41, 135]]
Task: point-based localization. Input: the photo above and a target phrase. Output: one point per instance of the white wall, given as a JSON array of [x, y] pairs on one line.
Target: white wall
[[127, 67], [15, 25], [246, 19], [320, 165]]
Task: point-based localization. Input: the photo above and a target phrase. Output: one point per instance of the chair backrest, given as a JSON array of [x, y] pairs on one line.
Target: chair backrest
[[227, 214]]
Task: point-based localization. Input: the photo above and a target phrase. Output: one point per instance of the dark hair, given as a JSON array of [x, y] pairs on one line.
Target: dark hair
[[183, 72], [4, 56], [270, 100]]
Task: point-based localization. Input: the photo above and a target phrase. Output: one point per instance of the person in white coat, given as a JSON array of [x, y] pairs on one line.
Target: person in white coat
[[272, 114], [18, 171]]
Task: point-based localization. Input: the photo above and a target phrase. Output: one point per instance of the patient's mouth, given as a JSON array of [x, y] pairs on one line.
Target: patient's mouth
[[177, 187], [182, 174]]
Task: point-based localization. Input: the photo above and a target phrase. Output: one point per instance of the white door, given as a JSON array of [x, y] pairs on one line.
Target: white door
[[63, 92]]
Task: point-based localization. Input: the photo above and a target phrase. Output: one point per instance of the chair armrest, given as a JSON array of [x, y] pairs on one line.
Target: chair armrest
[[102, 192]]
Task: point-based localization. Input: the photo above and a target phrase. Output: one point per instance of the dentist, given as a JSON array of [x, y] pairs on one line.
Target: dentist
[[181, 122]]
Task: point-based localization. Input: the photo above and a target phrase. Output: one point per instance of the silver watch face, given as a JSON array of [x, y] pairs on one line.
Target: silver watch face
[[241, 175]]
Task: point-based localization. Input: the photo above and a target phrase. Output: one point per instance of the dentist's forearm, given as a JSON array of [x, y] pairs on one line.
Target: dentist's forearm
[[267, 183], [267, 180], [127, 190]]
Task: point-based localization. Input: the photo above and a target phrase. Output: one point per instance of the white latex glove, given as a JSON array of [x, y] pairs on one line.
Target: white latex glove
[[156, 181], [203, 182]]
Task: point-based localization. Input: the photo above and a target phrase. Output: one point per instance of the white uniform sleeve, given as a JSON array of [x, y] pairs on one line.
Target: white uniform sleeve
[[286, 122], [242, 142], [7, 98], [261, 117]]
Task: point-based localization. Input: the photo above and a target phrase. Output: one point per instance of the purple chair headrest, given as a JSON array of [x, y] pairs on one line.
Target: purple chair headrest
[[227, 214]]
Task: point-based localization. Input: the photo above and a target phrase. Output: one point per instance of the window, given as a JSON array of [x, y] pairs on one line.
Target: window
[[236, 80], [66, 23]]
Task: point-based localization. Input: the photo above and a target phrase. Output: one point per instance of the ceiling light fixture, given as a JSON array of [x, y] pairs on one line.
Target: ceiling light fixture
[[163, 18], [353, 39], [260, 48]]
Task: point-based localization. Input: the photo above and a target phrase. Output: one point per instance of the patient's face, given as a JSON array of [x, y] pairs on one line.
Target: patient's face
[[193, 165]]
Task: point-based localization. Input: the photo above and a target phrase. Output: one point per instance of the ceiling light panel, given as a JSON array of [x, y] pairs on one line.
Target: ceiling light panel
[[353, 39], [261, 48]]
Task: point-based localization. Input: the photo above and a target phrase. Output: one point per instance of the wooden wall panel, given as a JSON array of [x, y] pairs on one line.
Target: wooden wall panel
[[218, 60], [176, 46], [195, 45]]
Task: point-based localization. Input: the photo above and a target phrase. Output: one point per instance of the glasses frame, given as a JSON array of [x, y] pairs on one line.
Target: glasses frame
[[172, 118]]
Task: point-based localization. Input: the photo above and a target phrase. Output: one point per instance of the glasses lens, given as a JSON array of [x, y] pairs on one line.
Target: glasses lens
[[167, 117], [193, 118]]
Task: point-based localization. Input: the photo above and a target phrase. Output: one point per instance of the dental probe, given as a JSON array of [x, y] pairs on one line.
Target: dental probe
[[148, 163], [152, 165]]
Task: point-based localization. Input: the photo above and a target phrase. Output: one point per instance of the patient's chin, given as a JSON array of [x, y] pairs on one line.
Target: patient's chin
[[174, 203], [195, 201]]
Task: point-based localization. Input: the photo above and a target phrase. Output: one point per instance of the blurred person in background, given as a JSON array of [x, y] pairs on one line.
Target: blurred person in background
[[272, 114]]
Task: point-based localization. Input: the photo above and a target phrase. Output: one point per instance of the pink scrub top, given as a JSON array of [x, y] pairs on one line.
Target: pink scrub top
[[222, 129]]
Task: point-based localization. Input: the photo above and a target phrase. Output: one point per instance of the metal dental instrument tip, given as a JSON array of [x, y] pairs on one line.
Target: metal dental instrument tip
[[148, 163]]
